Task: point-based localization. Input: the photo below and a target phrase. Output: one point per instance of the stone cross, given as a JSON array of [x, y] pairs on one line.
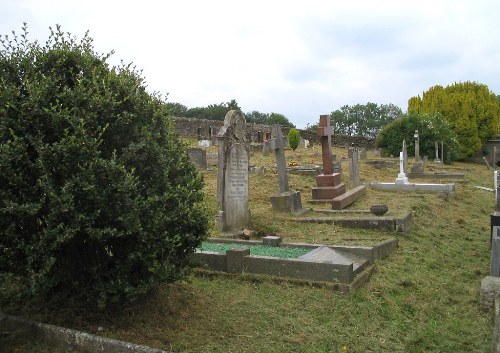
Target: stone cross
[[417, 146], [325, 131], [279, 152]]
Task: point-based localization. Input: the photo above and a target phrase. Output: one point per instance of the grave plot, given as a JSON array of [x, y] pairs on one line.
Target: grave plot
[[399, 221], [343, 268]]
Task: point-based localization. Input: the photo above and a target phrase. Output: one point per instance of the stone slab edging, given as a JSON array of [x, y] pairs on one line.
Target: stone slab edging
[[68, 339]]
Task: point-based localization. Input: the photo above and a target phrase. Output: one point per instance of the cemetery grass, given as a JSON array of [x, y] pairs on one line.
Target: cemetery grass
[[423, 298]]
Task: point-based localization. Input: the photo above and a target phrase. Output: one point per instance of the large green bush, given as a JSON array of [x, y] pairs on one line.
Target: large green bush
[[98, 198], [432, 128]]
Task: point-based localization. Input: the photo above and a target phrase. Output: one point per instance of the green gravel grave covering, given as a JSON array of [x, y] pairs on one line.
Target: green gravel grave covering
[[258, 250]]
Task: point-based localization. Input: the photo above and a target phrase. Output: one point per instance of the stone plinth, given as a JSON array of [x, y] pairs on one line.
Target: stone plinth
[[288, 201]]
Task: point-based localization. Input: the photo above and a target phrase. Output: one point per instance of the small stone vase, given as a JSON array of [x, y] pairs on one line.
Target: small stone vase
[[379, 210]]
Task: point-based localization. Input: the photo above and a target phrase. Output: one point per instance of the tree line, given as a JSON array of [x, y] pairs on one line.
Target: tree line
[[218, 112]]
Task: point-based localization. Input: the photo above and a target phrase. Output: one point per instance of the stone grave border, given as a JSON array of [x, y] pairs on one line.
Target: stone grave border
[[399, 223], [239, 261], [69, 339]]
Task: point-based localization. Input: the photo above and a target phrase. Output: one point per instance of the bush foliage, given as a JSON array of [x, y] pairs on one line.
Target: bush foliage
[[431, 128], [293, 138], [98, 198]]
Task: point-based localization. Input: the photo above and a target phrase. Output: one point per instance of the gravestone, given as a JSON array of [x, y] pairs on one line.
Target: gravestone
[[268, 135], [436, 147], [232, 178], [362, 154], [405, 157], [286, 200], [266, 147], [402, 178], [418, 166], [198, 156], [329, 184], [354, 167]]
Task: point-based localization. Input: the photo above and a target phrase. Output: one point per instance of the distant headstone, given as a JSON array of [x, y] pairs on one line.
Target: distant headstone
[[405, 157], [286, 200], [402, 178], [436, 148], [418, 166], [328, 184], [198, 156], [266, 148], [417, 146], [210, 132], [204, 143], [362, 154], [232, 178], [268, 135], [260, 137], [354, 167], [199, 133]]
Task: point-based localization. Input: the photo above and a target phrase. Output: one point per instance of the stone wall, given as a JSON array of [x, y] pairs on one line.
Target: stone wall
[[189, 127]]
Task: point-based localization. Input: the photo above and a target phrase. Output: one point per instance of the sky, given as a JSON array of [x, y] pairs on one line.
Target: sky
[[301, 59]]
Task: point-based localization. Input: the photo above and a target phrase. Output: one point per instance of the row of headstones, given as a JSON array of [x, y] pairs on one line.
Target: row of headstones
[[212, 133]]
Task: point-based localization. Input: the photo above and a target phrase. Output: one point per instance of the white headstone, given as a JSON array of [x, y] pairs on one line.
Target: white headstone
[[401, 179]]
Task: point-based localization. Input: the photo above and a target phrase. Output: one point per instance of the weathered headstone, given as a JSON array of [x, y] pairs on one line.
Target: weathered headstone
[[232, 178], [402, 178], [260, 137], [268, 135], [329, 184], [354, 167], [418, 166], [266, 147], [286, 200], [204, 143], [362, 154], [405, 157], [199, 133], [417, 146], [437, 160], [198, 156]]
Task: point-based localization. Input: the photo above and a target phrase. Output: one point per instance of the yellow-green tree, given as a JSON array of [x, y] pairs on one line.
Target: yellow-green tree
[[471, 109]]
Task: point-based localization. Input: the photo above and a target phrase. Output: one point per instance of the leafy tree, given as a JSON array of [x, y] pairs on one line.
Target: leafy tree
[[177, 109], [432, 128], [256, 117], [213, 111], [293, 138], [363, 120], [470, 108], [98, 199]]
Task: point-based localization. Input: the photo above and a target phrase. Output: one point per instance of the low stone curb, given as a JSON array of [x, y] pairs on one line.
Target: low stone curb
[[68, 339]]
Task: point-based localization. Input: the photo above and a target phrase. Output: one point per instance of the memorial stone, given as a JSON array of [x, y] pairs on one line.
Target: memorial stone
[[198, 157], [329, 184], [436, 147], [286, 200], [354, 167], [418, 166], [232, 178]]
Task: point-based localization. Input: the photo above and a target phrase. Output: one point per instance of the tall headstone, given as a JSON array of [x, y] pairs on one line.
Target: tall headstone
[[402, 178], [232, 178], [417, 146], [286, 200], [354, 167], [405, 157], [436, 147], [329, 184], [418, 166]]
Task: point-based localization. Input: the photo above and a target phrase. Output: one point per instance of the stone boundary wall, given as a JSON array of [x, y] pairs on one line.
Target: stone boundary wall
[[188, 127]]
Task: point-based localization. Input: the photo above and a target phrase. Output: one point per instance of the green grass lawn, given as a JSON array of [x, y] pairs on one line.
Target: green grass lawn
[[423, 298]]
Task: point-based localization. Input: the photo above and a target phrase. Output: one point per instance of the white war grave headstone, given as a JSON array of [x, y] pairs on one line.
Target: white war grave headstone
[[232, 175]]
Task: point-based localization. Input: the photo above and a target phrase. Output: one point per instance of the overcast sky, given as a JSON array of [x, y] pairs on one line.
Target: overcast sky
[[297, 58]]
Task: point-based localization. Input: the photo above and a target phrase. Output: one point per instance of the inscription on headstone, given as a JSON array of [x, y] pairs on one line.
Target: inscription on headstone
[[232, 178]]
